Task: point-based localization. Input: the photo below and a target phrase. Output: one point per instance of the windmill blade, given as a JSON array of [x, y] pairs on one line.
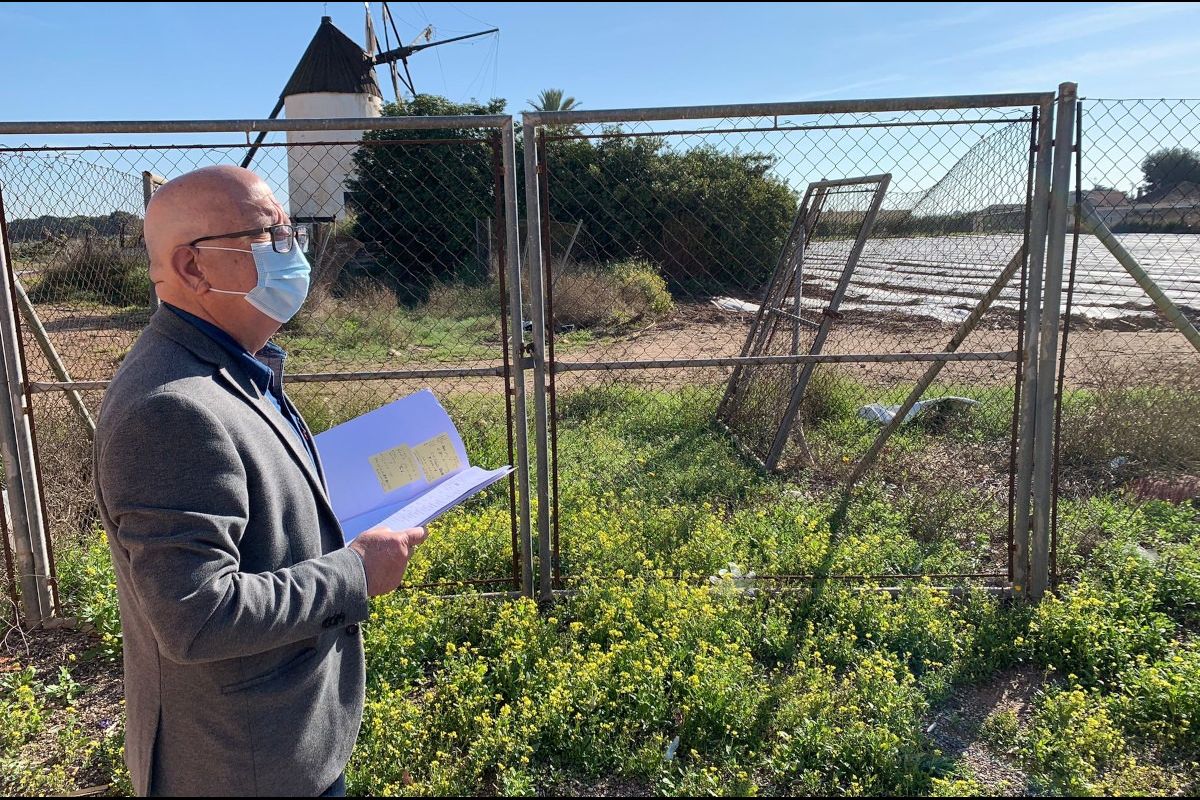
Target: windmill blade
[[387, 42], [401, 52], [395, 82], [388, 20], [373, 48], [372, 41], [426, 34], [411, 86], [405, 52]]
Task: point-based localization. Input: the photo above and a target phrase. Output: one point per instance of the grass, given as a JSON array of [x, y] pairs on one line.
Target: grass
[[362, 326], [460, 322], [652, 678], [371, 327]]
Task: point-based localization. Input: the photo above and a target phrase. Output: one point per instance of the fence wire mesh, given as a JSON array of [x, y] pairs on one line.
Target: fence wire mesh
[[409, 272], [1130, 405], [675, 230], [659, 242]]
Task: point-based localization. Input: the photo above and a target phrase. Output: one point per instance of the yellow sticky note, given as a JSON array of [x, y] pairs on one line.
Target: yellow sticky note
[[396, 467], [438, 457]]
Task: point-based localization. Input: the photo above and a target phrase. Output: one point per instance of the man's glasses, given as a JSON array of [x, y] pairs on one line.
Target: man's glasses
[[283, 237]]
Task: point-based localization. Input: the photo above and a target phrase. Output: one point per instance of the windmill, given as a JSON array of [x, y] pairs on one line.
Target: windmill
[[335, 78], [334, 64]]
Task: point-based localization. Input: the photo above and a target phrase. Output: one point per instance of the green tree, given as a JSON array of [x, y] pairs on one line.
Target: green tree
[[553, 100], [710, 220], [417, 204], [1167, 168]]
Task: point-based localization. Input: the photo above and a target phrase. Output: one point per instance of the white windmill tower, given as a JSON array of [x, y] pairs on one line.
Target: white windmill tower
[[335, 78]]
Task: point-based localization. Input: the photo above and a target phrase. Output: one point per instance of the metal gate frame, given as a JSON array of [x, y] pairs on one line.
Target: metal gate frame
[[17, 436], [790, 272], [1086, 219], [1032, 483]]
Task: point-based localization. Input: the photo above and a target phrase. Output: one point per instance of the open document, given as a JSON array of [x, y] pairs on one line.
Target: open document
[[400, 466]]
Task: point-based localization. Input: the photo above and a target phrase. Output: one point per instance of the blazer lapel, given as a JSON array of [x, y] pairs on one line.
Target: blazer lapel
[[316, 457], [245, 389], [206, 349]]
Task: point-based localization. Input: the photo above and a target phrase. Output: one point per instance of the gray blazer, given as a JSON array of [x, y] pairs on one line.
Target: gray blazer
[[244, 667]]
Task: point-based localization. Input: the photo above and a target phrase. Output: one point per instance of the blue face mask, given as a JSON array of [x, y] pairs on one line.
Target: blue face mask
[[282, 280]]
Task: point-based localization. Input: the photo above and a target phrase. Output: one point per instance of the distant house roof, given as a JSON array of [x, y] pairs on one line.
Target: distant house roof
[[333, 62], [1106, 197], [1185, 194]]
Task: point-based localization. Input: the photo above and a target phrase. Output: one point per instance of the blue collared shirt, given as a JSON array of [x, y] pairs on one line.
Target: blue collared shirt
[[264, 368]]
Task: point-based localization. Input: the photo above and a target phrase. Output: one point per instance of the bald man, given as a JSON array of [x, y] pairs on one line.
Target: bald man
[[240, 602]]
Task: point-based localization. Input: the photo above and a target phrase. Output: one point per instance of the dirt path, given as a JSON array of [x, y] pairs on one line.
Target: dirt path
[[1096, 355], [93, 344]]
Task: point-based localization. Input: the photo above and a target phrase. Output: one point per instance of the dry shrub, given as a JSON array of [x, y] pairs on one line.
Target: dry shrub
[[610, 296], [1171, 489], [325, 312], [95, 270], [1123, 430], [65, 468], [463, 301], [950, 490]]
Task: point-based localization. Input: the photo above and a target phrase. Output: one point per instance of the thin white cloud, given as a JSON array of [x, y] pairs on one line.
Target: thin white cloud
[[1072, 27], [922, 27], [1095, 63], [8, 15], [851, 86]]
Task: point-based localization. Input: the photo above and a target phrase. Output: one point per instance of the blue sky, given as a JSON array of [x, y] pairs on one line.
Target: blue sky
[[117, 61], [196, 60]]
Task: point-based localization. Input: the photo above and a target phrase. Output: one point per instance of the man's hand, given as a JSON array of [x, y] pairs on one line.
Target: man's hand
[[385, 555]]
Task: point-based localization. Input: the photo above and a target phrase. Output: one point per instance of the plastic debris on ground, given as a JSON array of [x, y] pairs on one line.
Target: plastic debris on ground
[[877, 412]]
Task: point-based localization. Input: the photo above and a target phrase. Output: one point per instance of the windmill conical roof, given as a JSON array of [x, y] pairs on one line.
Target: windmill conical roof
[[333, 62]]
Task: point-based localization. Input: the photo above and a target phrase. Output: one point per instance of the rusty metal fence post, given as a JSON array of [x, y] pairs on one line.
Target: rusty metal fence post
[[517, 353], [20, 470], [1043, 437], [1023, 487], [534, 265]]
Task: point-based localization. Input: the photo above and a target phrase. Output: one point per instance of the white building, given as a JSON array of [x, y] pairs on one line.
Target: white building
[[335, 78]]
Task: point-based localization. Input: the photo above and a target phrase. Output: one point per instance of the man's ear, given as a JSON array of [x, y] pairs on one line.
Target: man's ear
[[183, 264]]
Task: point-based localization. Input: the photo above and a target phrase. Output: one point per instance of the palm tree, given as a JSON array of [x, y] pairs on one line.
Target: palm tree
[[553, 100]]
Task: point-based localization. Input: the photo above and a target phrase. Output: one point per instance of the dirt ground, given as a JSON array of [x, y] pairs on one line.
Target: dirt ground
[[98, 708], [955, 727], [92, 345], [1096, 356]]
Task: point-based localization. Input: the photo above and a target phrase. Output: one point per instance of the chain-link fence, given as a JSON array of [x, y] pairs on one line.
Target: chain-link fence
[[412, 275], [768, 290], [807, 341], [1130, 373]]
